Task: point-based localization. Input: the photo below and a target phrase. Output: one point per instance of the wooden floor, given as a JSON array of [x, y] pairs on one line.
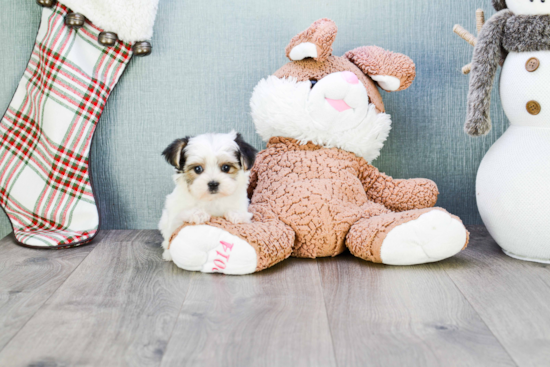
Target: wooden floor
[[116, 303]]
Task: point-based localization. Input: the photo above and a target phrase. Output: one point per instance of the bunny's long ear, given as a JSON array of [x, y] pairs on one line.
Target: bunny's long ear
[[392, 71], [315, 42]]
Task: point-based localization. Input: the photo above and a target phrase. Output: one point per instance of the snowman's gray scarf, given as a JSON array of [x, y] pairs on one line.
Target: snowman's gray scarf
[[504, 32]]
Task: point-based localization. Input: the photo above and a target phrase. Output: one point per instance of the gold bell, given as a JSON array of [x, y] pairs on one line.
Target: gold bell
[[107, 39], [46, 3], [75, 20], [142, 48]]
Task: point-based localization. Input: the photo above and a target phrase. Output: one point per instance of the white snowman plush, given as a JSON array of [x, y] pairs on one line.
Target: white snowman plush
[[513, 181]]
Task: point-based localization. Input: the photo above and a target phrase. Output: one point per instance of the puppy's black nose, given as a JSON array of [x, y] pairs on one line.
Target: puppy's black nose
[[213, 186]]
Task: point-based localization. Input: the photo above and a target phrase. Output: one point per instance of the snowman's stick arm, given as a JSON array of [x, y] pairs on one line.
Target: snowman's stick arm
[[465, 35], [480, 20], [470, 38]]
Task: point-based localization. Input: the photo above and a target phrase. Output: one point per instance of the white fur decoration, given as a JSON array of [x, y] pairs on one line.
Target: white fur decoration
[[280, 107], [131, 20]]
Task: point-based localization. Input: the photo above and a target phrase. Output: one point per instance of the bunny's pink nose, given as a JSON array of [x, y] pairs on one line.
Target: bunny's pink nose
[[350, 77]]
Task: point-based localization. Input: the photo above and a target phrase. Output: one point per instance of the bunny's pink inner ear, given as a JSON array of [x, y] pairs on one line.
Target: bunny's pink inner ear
[[315, 42]]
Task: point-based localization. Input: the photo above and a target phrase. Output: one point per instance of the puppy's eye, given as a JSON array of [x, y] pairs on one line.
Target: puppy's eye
[[225, 168], [313, 82], [198, 170]]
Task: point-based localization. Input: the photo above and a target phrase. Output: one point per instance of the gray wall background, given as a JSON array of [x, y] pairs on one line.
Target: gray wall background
[[208, 56]]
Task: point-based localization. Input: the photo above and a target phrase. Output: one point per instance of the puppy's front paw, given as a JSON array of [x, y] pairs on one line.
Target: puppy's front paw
[[238, 217], [200, 217], [197, 216]]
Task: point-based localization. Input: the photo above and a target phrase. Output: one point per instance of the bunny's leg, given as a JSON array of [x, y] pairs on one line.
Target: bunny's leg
[[408, 238], [223, 247]]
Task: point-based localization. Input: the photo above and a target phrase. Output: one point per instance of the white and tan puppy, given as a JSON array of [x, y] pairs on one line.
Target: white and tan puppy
[[212, 175]]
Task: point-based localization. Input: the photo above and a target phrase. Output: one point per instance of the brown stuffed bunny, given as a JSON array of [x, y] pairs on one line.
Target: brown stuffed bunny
[[312, 191]]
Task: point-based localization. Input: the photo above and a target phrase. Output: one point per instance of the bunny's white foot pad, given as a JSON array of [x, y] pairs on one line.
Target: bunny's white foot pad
[[212, 250], [432, 237]]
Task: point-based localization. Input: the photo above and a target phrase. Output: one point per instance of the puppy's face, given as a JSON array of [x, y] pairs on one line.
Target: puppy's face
[[211, 173], [213, 165]]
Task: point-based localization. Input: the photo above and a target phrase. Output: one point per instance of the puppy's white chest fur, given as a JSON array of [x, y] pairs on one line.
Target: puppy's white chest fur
[[182, 207]]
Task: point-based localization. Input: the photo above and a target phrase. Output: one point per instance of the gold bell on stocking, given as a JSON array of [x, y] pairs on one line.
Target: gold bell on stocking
[[107, 39], [75, 20], [142, 48], [46, 3]]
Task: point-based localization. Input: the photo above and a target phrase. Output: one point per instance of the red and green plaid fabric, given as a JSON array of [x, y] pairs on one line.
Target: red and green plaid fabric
[[46, 133]]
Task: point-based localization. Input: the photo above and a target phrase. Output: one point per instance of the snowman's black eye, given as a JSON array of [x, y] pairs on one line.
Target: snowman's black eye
[[313, 82]]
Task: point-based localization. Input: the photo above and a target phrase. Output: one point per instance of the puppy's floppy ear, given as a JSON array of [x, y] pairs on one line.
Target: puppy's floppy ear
[[246, 154], [174, 153]]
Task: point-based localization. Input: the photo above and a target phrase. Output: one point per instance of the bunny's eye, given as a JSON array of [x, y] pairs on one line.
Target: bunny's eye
[[313, 82]]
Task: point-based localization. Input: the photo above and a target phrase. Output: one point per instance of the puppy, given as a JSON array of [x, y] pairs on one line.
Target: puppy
[[212, 176]]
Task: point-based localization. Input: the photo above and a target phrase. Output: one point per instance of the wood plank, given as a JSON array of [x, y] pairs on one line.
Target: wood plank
[[272, 318], [512, 297], [403, 316], [118, 308], [28, 277]]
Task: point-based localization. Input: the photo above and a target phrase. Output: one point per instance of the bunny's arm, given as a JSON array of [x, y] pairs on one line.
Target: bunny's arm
[[487, 55], [254, 173], [397, 195], [253, 182], [392, 71]]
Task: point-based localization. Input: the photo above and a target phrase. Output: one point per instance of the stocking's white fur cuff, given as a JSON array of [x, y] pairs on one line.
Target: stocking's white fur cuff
[[131, 20]]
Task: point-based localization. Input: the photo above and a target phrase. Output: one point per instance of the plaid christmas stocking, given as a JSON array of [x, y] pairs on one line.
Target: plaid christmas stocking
[[46, 133]]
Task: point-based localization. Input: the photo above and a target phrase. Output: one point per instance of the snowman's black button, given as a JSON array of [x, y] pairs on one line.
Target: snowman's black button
[[533, 107], [532, 64]]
